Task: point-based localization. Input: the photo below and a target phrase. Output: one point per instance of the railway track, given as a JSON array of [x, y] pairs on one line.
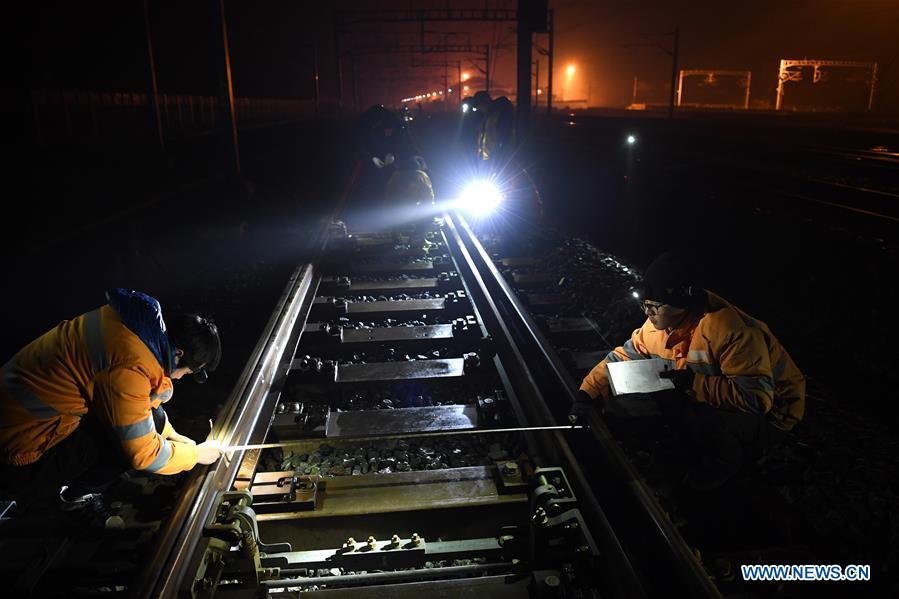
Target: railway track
[[831, 195], [406, 422]]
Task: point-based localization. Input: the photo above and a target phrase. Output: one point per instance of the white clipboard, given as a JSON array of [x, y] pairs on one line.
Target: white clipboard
[[637, 376]]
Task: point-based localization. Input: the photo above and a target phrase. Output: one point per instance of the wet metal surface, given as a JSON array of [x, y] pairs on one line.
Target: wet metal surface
[[519, 262], [394, 371], [402, 420], [403, 491], [418, 305], [406, 284], [432, 551], [423, 266], [439, 331]]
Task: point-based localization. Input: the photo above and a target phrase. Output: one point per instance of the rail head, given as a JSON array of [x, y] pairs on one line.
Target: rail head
[[182, 532], [541, 358]]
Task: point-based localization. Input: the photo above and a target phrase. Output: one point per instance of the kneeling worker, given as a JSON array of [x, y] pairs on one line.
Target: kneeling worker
[[82, 403], [740, 389]]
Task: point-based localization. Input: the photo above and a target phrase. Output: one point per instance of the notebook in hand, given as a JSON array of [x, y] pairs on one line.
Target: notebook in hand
[[637, 376]]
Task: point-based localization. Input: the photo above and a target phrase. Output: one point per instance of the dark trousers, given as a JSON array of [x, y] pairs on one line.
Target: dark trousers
[[723, 441], [88, 460]]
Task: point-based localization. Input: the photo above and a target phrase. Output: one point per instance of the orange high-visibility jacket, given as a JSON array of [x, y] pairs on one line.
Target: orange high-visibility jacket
[[95, 364], [737, 362]]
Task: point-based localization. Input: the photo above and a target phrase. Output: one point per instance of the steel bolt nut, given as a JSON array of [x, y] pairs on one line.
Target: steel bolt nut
[[416, 540], [510, 469], [372, 543]]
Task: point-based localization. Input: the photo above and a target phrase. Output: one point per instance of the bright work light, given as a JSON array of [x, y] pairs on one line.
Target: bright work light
[[480, 198]]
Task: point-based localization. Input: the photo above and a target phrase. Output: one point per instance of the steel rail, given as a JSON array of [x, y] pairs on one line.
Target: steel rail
[[176, 549], [180, 543], [658, 526], [860, 192], [625, 579], [382, 577], [409, 435]]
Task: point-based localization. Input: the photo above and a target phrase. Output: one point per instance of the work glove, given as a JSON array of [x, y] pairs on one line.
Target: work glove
[[208, 452], [682, 379], [581, 408]]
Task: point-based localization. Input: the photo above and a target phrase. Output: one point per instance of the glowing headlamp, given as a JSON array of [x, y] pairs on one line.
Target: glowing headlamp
[[480, 198]]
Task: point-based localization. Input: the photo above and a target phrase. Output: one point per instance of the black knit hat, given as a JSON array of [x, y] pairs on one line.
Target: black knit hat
[[672, 279]]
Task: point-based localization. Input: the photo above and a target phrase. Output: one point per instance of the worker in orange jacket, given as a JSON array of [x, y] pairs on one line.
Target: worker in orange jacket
[[82, 403], [743, 392]]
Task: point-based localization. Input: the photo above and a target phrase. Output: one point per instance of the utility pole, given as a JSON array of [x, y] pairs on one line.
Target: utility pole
[[674, 52], [487, 71], [315, 90], [337, 66], [154, 90], [229, 88], [460, 86], [355, 82], [549, 75], [523, 103]]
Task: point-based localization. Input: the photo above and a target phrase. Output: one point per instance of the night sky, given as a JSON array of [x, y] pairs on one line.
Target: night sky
[[101, 45]]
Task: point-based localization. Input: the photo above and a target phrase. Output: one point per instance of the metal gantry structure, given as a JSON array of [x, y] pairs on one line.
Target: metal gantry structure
[[791, 70], [711, 75]]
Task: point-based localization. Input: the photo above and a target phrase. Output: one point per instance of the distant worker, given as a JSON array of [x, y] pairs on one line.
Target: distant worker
[[496, 160], [410, 184], [474, 113], [384, 137], [82, 404], [410, 191], [497, 137], [740, 390], [382, 141]]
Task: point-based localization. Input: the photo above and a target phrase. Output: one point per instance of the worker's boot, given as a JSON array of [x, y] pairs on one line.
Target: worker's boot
[[89, 509]]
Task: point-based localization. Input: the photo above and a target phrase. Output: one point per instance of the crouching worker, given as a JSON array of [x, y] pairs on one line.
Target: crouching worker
[[410, 196], [82, 404], [737, 390]]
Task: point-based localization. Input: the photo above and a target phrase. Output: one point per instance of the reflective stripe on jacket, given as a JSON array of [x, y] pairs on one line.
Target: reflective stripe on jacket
[[95, 364], [737, 361]]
